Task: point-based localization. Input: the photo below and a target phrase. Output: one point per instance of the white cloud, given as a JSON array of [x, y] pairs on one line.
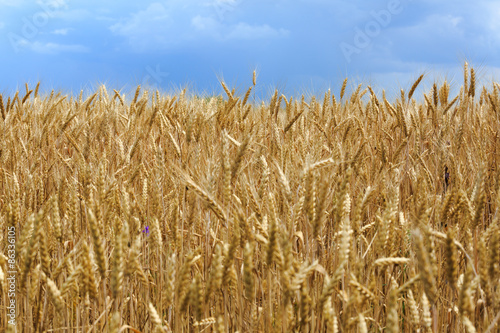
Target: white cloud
[[214, 28], [48, 47], [62, 32], [151, 28], [10, 3], [246, 31], [55, 48], [205, 23], [74, 15], [52, 3], [492, 19], [176, 23], [447, 25], [144, 21]]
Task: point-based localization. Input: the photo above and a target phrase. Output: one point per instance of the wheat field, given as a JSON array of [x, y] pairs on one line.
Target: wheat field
[[343, 213]]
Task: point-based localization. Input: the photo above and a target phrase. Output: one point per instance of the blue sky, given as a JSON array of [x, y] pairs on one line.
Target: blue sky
[[297, 46]]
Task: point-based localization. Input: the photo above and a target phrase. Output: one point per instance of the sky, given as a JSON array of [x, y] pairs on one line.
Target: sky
[[295, 46]]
